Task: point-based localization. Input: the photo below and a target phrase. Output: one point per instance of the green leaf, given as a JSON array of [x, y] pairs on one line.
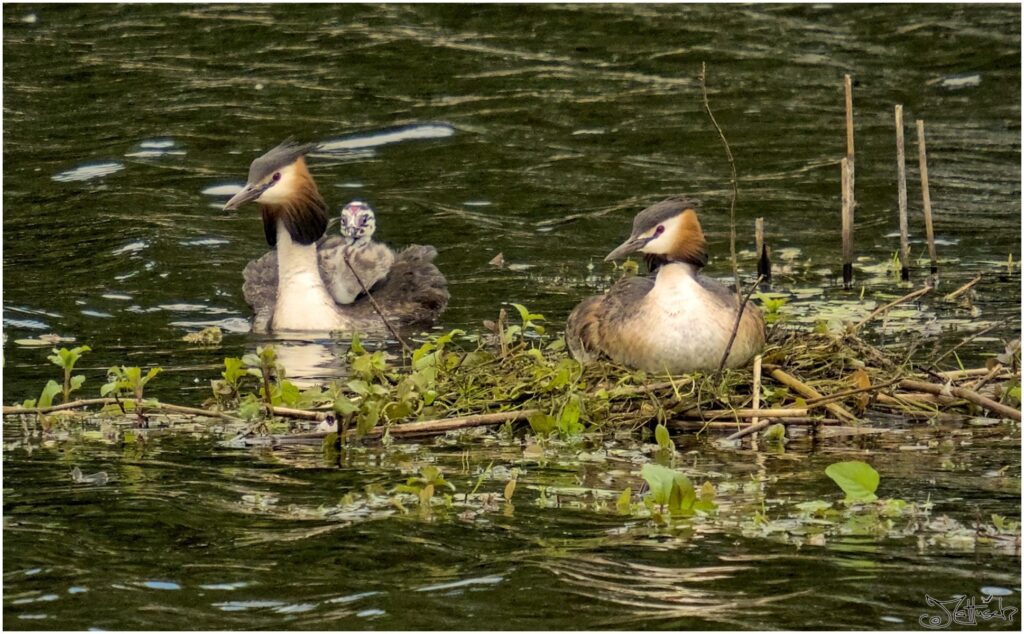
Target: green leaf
[[149, 375], [775, 433], [622, 504], [77, 381], [569, 420], [250, 360], [368, 417], [542, 424], [356, 347], [659, 480], [663, 438], [359, 386], [107, 388], [250, 407], [813, 507], [51, 389], [290, 394], [234, 370], [344, 406], [857, 479]]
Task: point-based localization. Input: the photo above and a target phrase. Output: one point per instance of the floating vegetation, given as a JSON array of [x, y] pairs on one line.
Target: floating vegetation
[[514, 387]]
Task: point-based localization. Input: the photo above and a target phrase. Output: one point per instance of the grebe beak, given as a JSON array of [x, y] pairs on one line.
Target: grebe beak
[[629, 246], [249, 192]]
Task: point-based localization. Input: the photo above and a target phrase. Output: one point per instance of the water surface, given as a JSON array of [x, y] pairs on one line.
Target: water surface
[[536, 132]]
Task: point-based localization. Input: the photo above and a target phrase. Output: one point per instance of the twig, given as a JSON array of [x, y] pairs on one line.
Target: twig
[[736, 324], [963, 289], [181, 409], [838, 396], [17, 409], [901, 183], [427, 427], [926, 199], [980, 383], [967, 340], [756, 387], [809, 392], [735, 187], [194, 411], [846, 178], [288, 412], [778, 412], [884, 309], [956, 375], [750, 429], [376, 306], [968, 395]]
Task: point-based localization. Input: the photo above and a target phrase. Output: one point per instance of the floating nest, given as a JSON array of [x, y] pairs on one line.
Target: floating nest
[[519, 375]]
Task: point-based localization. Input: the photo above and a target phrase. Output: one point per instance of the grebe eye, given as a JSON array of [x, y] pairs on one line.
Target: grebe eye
[[659, 230], [277, 176]]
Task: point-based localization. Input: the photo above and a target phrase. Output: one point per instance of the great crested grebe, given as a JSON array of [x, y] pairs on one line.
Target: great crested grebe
[[304, 284], [676, 321]]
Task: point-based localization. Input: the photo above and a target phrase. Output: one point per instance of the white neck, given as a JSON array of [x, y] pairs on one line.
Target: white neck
[[303, 302]]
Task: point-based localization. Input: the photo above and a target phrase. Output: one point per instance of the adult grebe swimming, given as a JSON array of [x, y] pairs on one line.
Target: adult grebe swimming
[[304, 284]]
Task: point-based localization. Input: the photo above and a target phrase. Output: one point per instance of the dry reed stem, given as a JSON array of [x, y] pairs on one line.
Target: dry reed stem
[[884, 309], [376, 307], [736, 324], [809, 392], [901, 183], [963, 289], [735, 185], [926, 199], [969, 395]]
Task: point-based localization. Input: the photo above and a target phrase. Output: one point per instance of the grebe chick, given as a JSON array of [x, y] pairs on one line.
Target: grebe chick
[[289, 287], [370, 260], [675, 321]]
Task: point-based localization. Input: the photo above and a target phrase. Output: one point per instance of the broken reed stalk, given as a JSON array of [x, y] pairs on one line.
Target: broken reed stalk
[[807, 391], [847, 211], [735, 186], [425, 427], [377, 307], [980, 383], [884, 309], [901, 183], [966, 341], [764, 263], [157, 407], [961, 392], [849, 189], [736, 324], [756, 390], [926, 199], [963, 289]]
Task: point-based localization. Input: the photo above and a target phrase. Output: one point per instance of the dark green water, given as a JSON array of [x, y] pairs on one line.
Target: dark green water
[[536, 132]]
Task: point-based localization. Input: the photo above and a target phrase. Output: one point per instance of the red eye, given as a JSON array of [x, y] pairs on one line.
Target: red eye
[[659, 230], [277, 176]]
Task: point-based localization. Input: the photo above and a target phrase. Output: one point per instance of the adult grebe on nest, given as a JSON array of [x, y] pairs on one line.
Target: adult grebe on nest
[[676, 321]]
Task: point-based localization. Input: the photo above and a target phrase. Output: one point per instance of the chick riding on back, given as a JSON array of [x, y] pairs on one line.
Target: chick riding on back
[[291, 289]]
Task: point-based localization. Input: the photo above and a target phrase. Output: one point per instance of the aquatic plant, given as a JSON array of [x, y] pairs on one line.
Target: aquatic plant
[[66, 360]]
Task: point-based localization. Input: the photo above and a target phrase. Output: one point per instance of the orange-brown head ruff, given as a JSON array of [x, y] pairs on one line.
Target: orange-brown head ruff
[[668, 231]]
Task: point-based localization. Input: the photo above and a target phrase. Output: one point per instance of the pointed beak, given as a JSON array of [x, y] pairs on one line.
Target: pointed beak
[[248, 193], [629, 246]]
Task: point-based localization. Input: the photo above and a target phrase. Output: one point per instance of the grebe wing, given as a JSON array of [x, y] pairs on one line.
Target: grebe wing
[[585, 328], [413, 292], [260, 289]]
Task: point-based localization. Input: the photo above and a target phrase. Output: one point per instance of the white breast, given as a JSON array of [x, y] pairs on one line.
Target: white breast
[[303, 302]]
